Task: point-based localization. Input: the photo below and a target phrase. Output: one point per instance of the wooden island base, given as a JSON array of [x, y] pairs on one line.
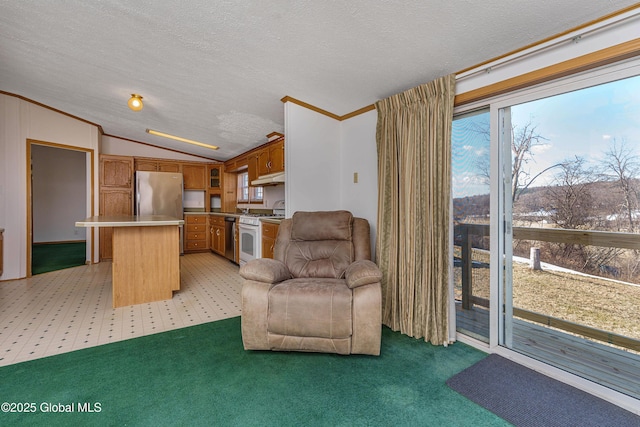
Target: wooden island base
[[146, 256], [146, 264]]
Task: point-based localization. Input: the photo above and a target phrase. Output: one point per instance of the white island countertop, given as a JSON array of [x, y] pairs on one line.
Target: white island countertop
[[129, 221]]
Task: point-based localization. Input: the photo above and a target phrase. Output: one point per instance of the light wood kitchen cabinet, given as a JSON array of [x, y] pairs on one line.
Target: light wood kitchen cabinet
[[194, 176], [217, 234], [174, 167], [270, 159], [269, 234], [215, 177], [196, 227], [222, 189], [276, 156], [155, 165], [229, 192], [252, 166], [240, 164], [147, 165], [115, 195], [112, 202], [116, 171], [262, 158]]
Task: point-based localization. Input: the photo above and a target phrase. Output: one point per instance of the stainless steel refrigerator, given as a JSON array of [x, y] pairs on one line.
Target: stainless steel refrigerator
[[160, 193]]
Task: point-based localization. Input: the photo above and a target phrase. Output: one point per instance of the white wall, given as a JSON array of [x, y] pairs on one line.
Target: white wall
[[59, 197], [322, 155], [122, 147], [312, 160], [272, 194], [358, 154], [21, 120]]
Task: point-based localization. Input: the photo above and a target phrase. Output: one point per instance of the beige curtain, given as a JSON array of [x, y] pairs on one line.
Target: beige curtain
[[414, 177]]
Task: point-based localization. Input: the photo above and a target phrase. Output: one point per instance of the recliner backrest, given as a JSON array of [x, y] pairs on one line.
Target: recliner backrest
[[320, 244]]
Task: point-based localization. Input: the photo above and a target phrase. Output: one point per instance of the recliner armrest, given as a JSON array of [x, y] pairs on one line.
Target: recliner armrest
[[265, 270], [363, 272]]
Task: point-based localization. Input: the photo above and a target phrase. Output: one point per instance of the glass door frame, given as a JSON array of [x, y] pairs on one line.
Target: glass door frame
[[499, 173], [500, 201]]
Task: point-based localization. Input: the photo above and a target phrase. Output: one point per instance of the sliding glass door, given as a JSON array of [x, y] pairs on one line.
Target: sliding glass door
[[568, 288], [471, 221]]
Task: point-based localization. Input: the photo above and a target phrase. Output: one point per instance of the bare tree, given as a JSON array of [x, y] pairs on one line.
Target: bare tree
[[523, 140], [622, 166], [570, 197]]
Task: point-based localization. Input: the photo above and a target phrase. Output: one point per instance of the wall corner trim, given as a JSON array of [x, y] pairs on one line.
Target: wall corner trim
[[327, 113]]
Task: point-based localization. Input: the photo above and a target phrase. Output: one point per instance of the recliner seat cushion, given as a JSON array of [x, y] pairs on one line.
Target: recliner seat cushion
[[310, 308]]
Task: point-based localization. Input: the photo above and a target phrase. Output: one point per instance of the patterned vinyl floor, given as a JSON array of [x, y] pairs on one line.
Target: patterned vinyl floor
[[70, 309]]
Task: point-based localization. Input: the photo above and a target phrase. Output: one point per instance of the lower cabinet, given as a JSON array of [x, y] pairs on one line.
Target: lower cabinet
[[269, 234], [217, 234], [195, 233], [112, 202]]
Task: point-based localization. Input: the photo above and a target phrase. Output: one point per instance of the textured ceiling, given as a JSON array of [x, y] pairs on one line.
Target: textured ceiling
[[215, 70]]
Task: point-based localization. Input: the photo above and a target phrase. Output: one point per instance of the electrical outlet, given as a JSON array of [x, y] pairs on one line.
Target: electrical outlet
[[355, 177]]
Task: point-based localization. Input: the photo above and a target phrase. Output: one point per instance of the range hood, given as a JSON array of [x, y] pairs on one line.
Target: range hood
[[271, 179]]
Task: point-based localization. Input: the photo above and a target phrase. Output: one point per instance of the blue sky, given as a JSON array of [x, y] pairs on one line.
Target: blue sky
[[582, 123]]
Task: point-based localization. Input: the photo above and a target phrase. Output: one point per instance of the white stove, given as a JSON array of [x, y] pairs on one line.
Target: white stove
[[250, 228], [254, 219]]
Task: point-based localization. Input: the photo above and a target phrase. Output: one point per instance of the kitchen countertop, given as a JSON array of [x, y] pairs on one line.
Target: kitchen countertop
[[129, 221], [234, 215]]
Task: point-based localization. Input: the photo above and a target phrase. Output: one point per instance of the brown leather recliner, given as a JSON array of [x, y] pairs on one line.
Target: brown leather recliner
[[320, 293]]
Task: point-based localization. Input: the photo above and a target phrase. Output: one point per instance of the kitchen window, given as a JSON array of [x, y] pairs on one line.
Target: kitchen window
[[246, 193]]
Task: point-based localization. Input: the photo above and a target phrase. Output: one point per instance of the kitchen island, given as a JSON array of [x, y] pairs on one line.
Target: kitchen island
[[146, 256]]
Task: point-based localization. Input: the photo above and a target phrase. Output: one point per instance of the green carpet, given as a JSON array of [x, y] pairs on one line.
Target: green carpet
[[57, 256], [202, 376]]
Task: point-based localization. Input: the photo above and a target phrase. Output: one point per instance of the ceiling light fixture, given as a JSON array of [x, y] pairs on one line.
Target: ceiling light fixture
[[135, 102], [179, 138]]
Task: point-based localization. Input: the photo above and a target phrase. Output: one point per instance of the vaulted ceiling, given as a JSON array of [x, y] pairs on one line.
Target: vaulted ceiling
[[216, 70]]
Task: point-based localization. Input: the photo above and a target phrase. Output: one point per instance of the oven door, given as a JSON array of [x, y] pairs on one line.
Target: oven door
[[249, 245]]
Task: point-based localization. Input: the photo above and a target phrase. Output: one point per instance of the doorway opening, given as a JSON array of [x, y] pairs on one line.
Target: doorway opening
[[59, 194]]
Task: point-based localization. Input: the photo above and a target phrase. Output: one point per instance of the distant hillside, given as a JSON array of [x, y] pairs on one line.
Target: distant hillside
[[468, 207], [596, 202]]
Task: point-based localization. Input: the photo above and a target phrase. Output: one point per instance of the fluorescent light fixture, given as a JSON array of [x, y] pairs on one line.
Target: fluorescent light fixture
[[179, 138]]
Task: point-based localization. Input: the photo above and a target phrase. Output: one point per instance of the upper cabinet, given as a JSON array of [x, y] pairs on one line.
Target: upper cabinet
[[270, 158], [116, 171], [276, 156], [116, 194], [252, 166], [194, 176], [262, 159], [215, 177], [156, 165], [146, 165], [169, 167]]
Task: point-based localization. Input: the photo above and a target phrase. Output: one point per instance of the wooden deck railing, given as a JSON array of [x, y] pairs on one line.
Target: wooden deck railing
[[464, 233]]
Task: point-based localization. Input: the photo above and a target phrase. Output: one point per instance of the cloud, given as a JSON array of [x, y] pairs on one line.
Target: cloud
[[538, 149], [606, 137]]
